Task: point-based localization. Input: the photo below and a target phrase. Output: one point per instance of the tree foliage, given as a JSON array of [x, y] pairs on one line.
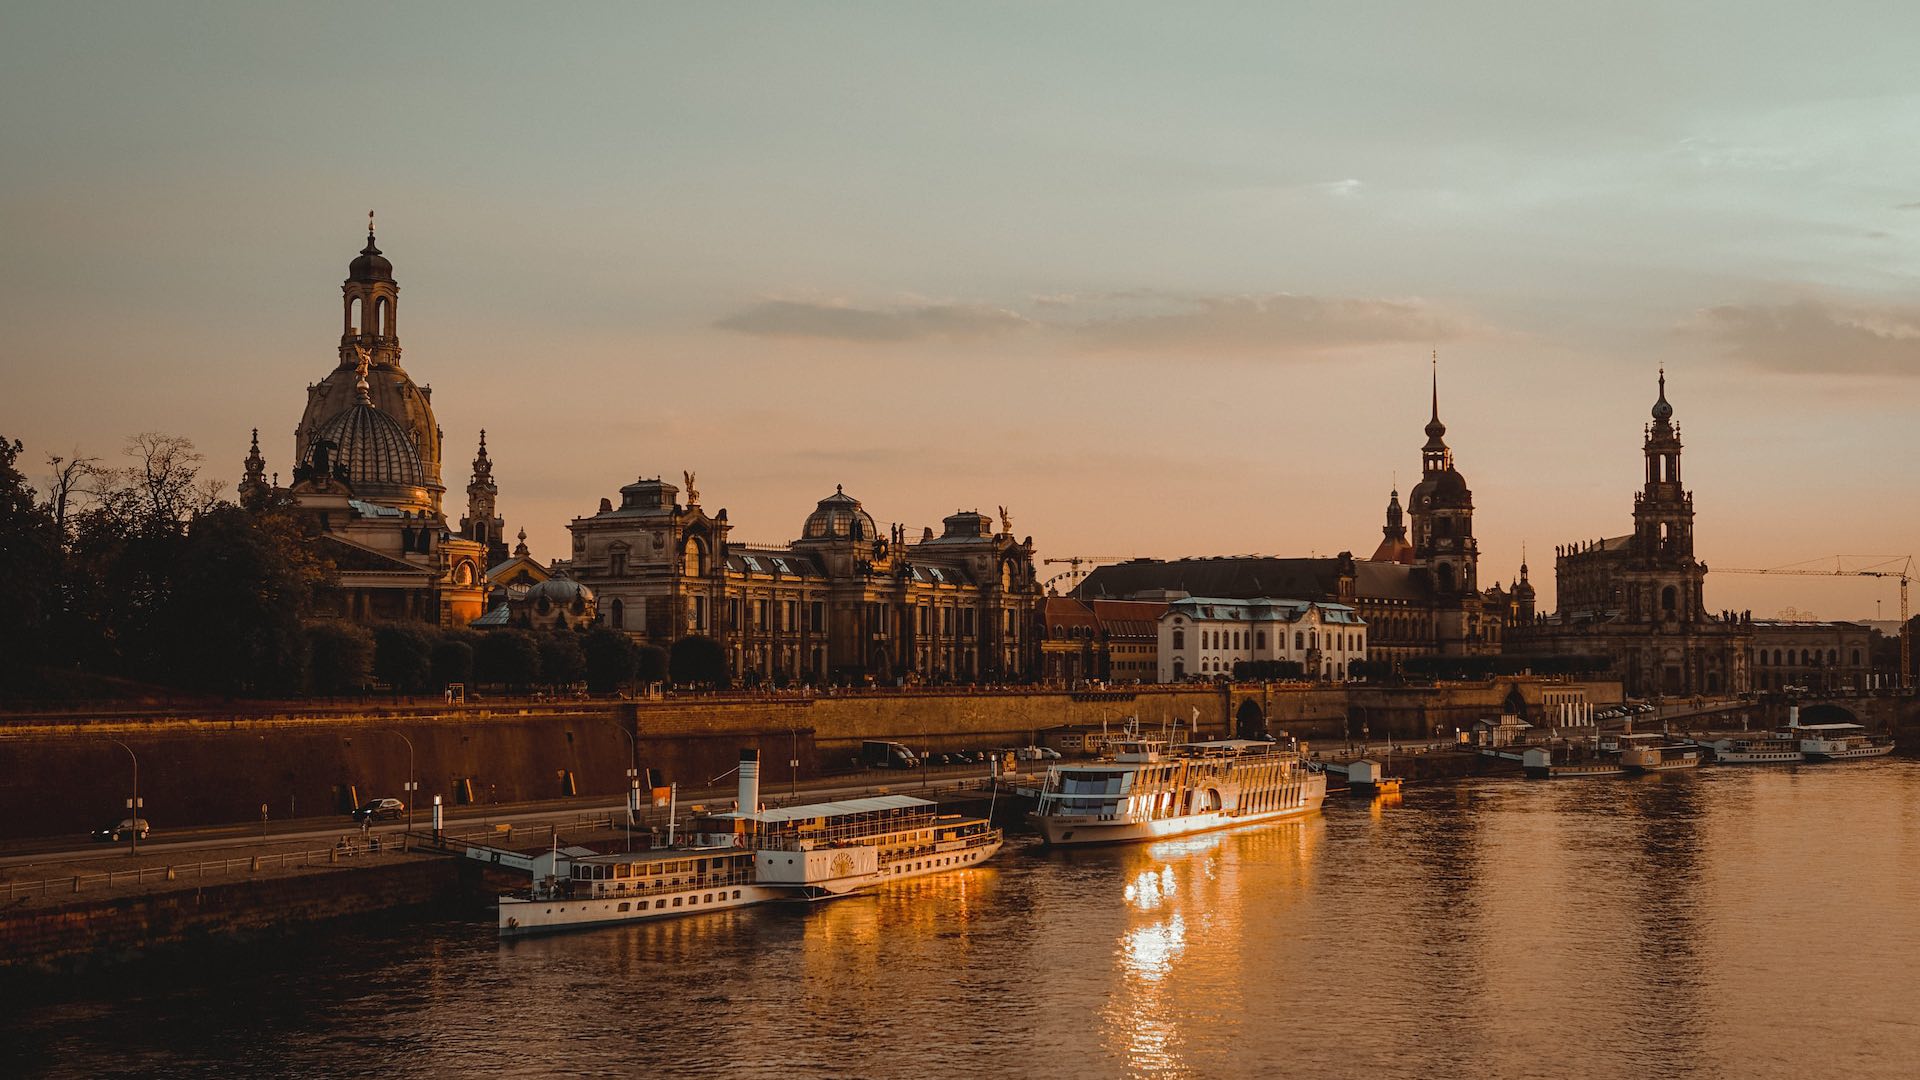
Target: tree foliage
[[651, 664], [30, 570], [697, 660], [612, 659], [339, 658], [507, 657], [403, 657]]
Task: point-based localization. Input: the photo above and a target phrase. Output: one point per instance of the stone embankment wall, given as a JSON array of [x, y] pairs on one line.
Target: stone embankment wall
[[66, 774], [92, 931]]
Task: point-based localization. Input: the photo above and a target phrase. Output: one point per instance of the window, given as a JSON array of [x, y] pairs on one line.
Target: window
[[617, 564], [819, 616], [1260, 639], [624, 906], [619, 614], [1179, 638], [1669, 598]]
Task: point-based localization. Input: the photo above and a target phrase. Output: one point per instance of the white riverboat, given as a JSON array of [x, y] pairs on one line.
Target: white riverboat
[[1841, 742], [1760, 749], [749, 856], [1148, 790]]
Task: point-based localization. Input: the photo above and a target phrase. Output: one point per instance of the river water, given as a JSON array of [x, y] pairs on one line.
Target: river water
[[1736, 923]]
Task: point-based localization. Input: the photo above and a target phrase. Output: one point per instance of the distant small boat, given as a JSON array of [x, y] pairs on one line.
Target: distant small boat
[[1366, 777]]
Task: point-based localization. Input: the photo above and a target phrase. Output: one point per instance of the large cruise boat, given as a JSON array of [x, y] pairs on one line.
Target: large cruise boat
[[748, 856], [1840, 742], [1777, 748], [1148, 790]]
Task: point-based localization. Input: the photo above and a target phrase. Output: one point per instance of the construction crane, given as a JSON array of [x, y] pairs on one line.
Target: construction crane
[[1890, 566], [1075, 562]]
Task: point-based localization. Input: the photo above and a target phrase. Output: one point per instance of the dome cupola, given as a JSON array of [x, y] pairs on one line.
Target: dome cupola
[[839, 517]]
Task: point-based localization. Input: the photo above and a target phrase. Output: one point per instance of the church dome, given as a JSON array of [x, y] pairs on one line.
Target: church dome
[[371, 265], [375, 449], [1663, 409], [839, 517]]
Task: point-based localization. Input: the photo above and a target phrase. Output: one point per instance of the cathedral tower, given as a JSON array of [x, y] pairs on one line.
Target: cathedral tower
[[1663, 525], [482, 524], [1442, 509]]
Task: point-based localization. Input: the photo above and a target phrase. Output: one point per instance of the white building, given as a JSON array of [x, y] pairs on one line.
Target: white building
[[1202, 637]]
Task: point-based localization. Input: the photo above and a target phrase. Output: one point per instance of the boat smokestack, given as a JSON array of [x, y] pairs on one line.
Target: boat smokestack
[[1793, 716], [750, 781]]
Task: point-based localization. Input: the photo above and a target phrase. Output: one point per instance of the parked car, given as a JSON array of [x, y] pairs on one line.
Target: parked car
[[124, 828], [380, 810], [1048, 752]]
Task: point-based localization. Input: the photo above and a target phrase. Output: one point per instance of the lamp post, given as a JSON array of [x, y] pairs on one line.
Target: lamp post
[[133, 804], [633, 779], [413, 784]]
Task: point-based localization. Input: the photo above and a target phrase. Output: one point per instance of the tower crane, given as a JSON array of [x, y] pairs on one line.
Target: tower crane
[[1893, 566], [1074, 573]]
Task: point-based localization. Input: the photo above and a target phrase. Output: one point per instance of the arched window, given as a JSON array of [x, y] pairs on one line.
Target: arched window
[[619, 614], [1445, 576], [1669, 598], [1179, 670], [1179, 638], [354, 315], [1260, 640], [1299, 641], [1833, 657], [381, 317], [694, 558]]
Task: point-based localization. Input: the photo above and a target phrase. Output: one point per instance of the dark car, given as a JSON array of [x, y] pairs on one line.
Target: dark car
[[380, 810], [122, 829]]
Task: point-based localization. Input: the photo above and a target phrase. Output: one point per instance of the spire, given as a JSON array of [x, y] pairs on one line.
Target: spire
[[1662, 409], [482, 464], [1435, 429], [370, 249], [520, 548]]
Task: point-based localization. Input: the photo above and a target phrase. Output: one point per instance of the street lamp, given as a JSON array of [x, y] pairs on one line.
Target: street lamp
[[633, 779], [413, 784], [133, 804]]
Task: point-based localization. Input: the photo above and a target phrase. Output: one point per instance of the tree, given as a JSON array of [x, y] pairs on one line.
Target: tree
[[30, 569], [403, 656], [232, 621], [339, 658], [508, 657], [651, 665], [697, 660], [562, 661], [452, 661], [612, 659]]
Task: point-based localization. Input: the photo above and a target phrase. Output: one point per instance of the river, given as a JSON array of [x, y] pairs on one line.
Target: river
[[1736, 923]]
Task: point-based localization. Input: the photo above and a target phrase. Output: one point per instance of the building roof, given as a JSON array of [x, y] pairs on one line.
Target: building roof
[[844, 807], [1261, 609], [1248, 577]]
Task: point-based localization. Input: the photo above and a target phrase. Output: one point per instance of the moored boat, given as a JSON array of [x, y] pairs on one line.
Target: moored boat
[[1651, 752], [747, 856], [1573, 761], [1760, 749], [1148, 790], [1841, 742]]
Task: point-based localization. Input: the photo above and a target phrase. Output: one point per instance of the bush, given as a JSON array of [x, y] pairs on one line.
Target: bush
[[339, 658], [612, 659], [508, 657], [698, 661]]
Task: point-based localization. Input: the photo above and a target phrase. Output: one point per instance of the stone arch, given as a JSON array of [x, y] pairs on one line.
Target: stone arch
[[1249, 722], [1827, 713]]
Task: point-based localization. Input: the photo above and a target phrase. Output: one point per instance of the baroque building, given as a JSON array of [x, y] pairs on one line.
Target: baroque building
[[1116, 641], [367, 471], [1418, 596], [1640, 599], [1203, 637], [845, 602]]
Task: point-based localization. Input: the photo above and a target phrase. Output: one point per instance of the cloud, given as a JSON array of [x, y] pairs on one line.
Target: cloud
[[1814, 337], [1275, 323], [841, 322]]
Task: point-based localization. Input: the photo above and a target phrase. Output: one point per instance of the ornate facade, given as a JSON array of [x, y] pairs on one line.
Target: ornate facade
[[367, 471], [843, 603], [1640, 599]]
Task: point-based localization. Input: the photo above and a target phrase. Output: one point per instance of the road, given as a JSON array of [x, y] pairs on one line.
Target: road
[[165, 846]]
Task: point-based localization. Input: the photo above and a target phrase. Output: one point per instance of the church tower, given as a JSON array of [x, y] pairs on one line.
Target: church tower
[[1442, 508], [369, 323], [482, 524], [1393, 535], [254, 485], [1524, 597], [1663, 527]]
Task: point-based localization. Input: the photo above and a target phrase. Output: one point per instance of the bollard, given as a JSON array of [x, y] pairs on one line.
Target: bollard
[[253, 864], [333, 855], [170, 873], [76, 883]]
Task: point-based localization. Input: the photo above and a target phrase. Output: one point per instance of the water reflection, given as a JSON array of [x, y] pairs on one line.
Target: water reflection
[[1739, 923]]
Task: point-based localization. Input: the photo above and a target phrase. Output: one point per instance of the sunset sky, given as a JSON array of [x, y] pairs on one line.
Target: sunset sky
[[1161, 279]]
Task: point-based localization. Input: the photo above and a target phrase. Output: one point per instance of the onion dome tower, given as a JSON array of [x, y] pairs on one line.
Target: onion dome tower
[[482, 523], [1393, 535]]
